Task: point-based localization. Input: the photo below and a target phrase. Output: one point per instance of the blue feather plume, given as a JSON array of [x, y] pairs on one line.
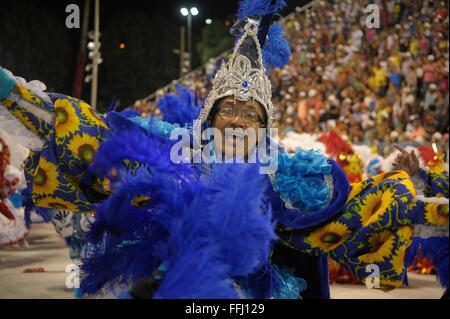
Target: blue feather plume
[[180, 108], [436, 250], [130, 242], [412, 251], [207, 232], [197, 271], [276, 51], [244, 228], [223, 233], [258, 8], [128, 141], [128, 113]]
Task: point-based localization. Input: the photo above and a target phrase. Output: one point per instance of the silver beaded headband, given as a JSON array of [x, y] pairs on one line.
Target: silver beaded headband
[[238, 78]]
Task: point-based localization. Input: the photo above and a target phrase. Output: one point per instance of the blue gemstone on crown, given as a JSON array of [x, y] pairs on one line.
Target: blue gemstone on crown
[[244, 84]]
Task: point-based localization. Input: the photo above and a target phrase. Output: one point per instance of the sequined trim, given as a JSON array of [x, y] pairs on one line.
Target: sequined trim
[[330, 185]]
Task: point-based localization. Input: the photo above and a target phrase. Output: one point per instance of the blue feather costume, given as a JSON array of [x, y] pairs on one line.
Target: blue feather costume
[[162, 213], [225, 233]]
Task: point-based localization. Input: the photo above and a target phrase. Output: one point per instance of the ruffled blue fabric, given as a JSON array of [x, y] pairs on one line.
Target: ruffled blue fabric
[[291, 286], [300, 180], [6, 84], [296, 219], [155, 126]]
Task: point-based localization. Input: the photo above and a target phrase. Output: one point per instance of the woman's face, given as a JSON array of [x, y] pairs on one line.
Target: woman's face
[[235, 114]]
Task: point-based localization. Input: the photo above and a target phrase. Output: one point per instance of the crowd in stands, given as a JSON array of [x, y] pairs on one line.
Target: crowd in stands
[[382, 84]]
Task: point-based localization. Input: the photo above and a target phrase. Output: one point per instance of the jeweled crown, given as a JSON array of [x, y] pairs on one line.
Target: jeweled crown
[[243, 76]]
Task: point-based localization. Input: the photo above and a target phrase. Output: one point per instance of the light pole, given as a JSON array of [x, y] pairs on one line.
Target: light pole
[[189, 13], [182, 50], [94, 84], [94, 55]]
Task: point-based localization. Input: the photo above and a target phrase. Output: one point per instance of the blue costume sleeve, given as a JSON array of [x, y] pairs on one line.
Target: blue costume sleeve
[[436, 182], [431, 229], [375, 227], [308, 189], [373, 223]]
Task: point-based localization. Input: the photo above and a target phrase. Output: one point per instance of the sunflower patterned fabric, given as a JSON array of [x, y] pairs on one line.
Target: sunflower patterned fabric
[[436, 181], [56, 174], [430, 244], [375, 226], [436, 185]]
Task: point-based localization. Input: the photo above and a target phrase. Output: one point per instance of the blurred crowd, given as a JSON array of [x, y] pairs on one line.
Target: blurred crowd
[[387, 84]]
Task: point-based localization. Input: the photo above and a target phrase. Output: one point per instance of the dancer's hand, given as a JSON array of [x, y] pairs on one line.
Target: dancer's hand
[[407, 162]]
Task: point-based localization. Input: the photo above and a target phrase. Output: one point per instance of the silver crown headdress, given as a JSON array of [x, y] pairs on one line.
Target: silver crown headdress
[[243, 76]]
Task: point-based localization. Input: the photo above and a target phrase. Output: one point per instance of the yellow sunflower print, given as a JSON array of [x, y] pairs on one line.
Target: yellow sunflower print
[[25, 93], [91, 115], [356, 188], [7, 103], [66, 121], [374, 205], [45, 179], [410, 187], [436, 214], [381, 245], [405, 234], [394, 175], [56, 203], [25, 121], [436, 169], [397, 261], [83, 146], [329, 236]]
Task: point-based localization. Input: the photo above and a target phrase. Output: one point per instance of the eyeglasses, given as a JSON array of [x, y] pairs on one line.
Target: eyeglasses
[[249, 115]]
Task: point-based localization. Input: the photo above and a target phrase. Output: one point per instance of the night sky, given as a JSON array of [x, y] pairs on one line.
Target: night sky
[[35, 44]]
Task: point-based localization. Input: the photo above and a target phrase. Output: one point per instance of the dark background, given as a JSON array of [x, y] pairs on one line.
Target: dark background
[[35, 43]]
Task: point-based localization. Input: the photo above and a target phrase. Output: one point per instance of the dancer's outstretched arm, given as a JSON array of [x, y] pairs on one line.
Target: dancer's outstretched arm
[[372, 227], [71, 132]]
